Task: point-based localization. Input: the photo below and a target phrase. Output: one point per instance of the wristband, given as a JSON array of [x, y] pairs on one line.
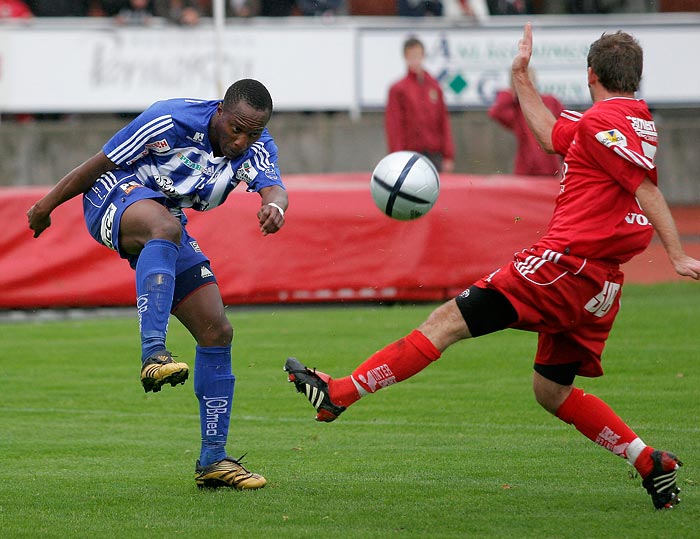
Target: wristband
[[276, 206]]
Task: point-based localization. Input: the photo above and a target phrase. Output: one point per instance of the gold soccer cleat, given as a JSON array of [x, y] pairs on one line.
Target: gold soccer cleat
[[161, 369], [228, 472]]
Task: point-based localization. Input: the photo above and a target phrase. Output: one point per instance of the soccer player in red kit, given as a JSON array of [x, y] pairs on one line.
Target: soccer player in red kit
[[566, 287]]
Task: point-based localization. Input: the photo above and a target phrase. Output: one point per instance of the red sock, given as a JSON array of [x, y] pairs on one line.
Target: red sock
[[596, 420], [393, 363]]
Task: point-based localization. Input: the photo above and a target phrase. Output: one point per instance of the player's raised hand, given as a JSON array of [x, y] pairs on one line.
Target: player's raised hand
[[521, 61]]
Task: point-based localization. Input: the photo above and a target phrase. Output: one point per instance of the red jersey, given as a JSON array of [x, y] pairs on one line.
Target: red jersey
[[417, 118], [530, 158], [608, 151]]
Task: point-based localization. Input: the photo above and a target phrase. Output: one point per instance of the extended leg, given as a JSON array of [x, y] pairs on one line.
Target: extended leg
[[202, 313]]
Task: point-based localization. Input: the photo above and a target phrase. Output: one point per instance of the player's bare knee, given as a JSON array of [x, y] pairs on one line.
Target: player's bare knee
[[445, 326], [169, 229], [216, 333]]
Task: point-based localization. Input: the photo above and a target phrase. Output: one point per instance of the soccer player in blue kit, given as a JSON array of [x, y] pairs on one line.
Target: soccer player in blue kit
[[181, 153]]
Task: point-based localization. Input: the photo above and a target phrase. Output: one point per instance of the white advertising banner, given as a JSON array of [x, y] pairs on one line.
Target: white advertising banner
[[473, 64], [126, 69], [346, 66]]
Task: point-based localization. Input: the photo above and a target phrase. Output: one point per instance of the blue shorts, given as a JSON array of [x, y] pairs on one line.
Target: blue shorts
[[103, 207]]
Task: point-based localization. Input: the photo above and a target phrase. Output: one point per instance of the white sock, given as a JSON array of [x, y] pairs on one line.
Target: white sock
[[361, 390], [634, 449]]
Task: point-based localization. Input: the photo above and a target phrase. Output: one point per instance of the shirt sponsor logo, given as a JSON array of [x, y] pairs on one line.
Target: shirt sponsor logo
[[246, 172], [194, 166], [645, 129], [381, 376], [158, 146], [106, 226], [216, 410], [128, 187], [137, 157], [611, 138], [637, 218]]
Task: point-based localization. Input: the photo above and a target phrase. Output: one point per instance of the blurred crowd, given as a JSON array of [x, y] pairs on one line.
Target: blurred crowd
[[189, 12]]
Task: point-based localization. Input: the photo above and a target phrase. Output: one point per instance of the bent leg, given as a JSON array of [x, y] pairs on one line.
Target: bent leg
[[593, 418], [150, 234]]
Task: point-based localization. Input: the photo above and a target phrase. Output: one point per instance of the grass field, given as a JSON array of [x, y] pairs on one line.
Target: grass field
[[461, 450]]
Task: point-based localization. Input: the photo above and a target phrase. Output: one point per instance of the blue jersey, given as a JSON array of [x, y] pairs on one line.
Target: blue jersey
[[167, 148]]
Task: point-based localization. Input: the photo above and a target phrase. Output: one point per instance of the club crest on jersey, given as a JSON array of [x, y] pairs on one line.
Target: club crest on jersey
[[611, 138], [165, 184], [246, 172]]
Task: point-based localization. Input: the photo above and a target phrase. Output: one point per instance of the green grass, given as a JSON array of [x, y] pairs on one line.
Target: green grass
[[460, 450]]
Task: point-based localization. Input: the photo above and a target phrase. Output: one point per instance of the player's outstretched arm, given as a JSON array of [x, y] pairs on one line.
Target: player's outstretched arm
[[271, 213], [539, 118], [656, 209], [75, 183]]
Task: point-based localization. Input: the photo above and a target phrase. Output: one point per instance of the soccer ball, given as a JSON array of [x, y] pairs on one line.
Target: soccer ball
[[405, 185]]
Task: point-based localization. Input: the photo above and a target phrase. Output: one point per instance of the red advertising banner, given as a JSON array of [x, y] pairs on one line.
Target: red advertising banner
[[336, 245]]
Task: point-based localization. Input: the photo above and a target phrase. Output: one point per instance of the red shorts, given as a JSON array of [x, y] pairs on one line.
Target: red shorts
[[570, 301]]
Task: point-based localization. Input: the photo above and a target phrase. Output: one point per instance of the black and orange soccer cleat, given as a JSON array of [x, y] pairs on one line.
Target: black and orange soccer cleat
[[314, 384], [161, 369]]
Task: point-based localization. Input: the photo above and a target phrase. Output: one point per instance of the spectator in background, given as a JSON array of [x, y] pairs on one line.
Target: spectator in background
[[419, 8], [182, 12], [530, 158], [461, 7], [14, 9], [136, 12], [244, 8], [416, 116]]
